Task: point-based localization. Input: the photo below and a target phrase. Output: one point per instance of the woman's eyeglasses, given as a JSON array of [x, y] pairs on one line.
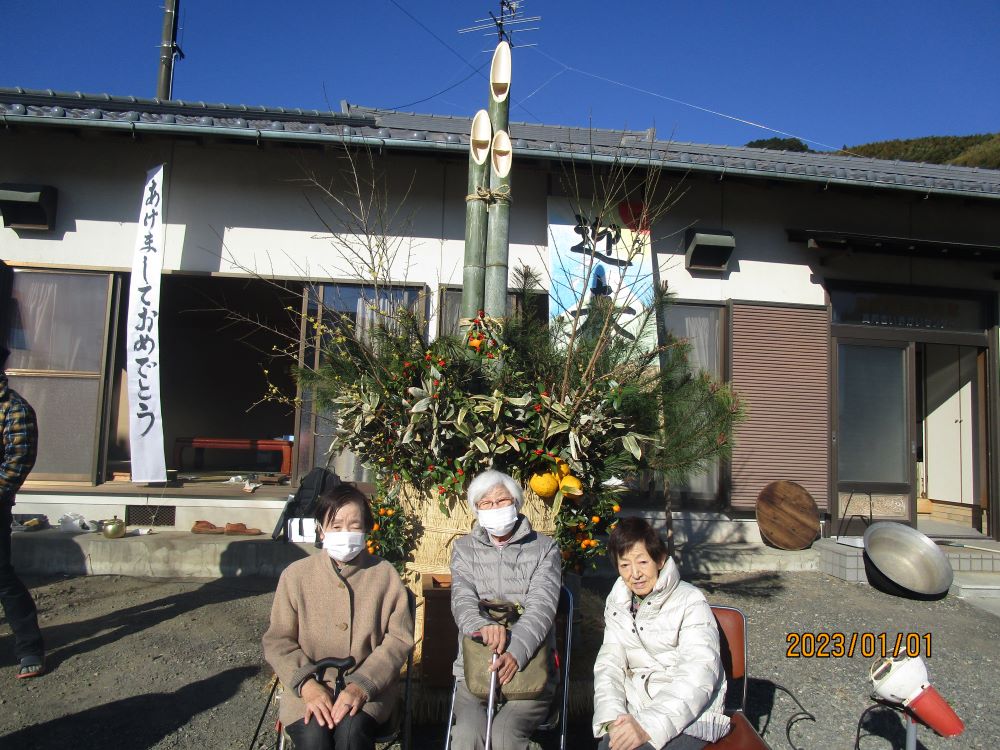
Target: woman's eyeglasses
[[491, 504]]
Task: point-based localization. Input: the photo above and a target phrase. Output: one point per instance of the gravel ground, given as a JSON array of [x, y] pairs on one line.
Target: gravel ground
[[154, 663]]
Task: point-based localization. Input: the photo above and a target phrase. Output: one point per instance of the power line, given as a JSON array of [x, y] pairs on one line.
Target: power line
[[687, 104], [442, 91]]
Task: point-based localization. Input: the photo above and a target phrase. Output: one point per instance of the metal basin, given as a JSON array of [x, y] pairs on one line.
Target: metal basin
[[908, 559]]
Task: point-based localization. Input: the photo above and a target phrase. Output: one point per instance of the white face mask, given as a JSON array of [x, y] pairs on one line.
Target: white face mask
[[343, 546], [498, 521]]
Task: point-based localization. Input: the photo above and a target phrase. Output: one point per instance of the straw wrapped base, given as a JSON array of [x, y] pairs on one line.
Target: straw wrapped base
[[436, 532]]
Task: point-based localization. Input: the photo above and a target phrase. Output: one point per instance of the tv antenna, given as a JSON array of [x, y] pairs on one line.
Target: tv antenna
[[511, 15]]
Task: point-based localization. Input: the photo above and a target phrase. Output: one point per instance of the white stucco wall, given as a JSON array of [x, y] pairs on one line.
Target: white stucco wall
[[238, 209]]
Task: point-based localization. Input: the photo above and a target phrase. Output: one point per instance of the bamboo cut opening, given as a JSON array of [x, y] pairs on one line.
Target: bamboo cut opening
[[480, 137], [500, 71], [503, 154]]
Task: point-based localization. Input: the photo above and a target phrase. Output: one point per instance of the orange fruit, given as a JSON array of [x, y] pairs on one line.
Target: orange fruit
[[545, 484], [571, 486]]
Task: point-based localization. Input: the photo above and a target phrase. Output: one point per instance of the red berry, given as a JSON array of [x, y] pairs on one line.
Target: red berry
[[430, 468], [460, 472], [538, 451], [440, 363]]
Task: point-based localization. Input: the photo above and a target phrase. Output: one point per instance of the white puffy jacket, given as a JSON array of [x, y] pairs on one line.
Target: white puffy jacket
[[662, 667]]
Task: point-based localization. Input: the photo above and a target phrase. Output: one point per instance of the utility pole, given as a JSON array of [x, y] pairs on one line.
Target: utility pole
[[168, 51]]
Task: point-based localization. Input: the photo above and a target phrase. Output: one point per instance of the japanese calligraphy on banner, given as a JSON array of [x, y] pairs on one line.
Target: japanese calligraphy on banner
[[599, 256], [143, 340]]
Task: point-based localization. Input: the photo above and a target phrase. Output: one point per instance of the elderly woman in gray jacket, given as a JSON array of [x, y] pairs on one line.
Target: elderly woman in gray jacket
[[502, 558]]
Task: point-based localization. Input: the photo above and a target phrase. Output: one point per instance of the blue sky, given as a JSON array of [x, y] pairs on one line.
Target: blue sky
[[833, 73]]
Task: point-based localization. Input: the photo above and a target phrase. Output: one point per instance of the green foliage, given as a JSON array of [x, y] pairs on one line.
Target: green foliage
[[780, 144], [985, 155], [521, 395], [967, 150], [392, 536]]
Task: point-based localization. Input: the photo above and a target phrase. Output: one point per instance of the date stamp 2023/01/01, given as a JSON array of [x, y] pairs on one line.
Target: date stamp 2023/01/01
[[836, 645]]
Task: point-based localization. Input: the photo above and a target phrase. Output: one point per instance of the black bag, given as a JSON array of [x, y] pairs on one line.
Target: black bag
[[303, 504]]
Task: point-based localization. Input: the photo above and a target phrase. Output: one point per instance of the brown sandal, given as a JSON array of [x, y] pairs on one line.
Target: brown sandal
[[206, 527], [240, 529]]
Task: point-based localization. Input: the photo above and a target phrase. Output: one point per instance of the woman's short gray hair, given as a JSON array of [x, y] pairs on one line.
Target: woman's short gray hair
[[489, 479]]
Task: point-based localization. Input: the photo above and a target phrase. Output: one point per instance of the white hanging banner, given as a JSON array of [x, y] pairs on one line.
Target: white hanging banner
[[143, 339]]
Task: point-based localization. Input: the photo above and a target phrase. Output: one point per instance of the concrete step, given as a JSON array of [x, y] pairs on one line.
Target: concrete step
[[172, 554], [976, 585], [165, 554], [742, 557]]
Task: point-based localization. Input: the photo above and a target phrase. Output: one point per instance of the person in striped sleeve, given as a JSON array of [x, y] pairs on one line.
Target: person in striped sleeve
[[19, 444]]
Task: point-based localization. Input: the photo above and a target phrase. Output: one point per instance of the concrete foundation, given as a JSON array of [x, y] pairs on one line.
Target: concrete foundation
[[166, 554]]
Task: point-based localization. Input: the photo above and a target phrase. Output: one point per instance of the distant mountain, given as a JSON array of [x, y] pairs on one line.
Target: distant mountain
[[963, 150]]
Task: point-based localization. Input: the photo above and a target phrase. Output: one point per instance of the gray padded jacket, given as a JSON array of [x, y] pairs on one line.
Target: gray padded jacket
[[525, 570]]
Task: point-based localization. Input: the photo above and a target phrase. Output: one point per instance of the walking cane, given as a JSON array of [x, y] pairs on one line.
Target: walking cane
[[491, 703]]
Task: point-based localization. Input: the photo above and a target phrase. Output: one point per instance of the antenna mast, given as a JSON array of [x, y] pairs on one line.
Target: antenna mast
[[511, 15]]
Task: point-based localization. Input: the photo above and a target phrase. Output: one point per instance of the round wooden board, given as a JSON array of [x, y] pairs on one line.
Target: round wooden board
[[787, 515]]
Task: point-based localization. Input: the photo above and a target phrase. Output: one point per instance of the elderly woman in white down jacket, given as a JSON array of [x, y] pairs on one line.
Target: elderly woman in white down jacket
[[658, 678]]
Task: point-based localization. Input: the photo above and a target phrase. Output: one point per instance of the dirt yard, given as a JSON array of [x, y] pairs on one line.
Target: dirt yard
[[154, 663]]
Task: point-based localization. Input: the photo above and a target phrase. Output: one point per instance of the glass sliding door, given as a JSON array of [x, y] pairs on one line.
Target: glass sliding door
[[702, 327], [59, 347], [874, 436]]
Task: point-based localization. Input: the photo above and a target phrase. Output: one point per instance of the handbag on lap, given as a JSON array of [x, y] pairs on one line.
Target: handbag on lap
[[528, 683]]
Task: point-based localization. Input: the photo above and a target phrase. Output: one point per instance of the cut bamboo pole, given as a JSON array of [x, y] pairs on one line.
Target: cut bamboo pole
[[474, 271], [498, 230], [501, 153]]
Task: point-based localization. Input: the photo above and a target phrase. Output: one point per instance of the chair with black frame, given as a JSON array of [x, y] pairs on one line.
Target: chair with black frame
[[398, 724], [555, 723], [733, 647]]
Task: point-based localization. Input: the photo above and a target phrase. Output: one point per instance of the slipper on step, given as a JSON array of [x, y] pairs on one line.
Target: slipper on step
[[240, 529], [206, 527], [30, 667]]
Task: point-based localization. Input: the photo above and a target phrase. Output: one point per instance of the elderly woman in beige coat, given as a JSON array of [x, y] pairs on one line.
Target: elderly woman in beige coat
[[343, 602]]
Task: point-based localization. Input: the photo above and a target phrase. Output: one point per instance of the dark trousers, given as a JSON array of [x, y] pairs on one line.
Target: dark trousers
[[353, 733], [18, 605]]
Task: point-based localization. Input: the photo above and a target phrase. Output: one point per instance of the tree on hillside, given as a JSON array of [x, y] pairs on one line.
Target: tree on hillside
[[934, 149], [779, 144]]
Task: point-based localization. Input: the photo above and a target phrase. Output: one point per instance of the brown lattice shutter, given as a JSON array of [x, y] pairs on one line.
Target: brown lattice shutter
[[781, 369]]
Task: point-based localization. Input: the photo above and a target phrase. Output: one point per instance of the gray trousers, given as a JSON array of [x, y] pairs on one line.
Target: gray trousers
[[513, 724]]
